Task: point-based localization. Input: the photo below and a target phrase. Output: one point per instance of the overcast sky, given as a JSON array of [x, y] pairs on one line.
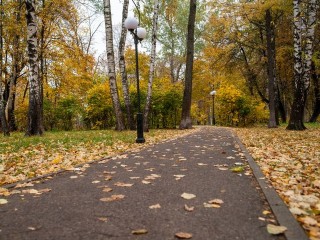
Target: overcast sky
[[116, 11]]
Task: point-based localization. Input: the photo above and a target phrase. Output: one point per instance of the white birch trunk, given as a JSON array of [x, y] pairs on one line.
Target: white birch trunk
[[111, 66], [35, 125], [309, 39], [152, 64], [122, 66], [304, 19]]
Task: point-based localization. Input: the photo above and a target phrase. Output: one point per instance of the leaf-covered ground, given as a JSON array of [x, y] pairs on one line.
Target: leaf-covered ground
[[291, 162], [28, 157]]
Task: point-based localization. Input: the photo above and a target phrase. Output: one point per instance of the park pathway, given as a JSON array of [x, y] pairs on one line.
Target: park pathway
[[144, 195]]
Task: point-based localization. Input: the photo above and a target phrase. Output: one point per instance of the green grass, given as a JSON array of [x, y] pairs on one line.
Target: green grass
[[18, 141]]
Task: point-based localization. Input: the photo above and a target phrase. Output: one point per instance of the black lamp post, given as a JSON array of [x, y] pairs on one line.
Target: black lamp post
[[213, 93], [138, 34]]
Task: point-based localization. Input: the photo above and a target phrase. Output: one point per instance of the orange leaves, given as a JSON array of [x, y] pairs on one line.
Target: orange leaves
[[289, 159]]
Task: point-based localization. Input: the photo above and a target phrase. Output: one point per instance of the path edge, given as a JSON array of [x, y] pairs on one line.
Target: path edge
[[279, 208]]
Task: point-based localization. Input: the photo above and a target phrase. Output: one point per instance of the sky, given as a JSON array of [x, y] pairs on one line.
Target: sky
[[116, 11]]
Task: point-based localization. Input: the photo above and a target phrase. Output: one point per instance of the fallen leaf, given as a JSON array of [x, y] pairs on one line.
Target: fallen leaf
[[134, 178], [108, 178], [183, 235], [121, 184], [188, 209], [103, 219], [179, 176], [211, 205], [112, 198], [202, 164], [237, 169], [139, 231], [73, 177], [95, 182], [308, 220], [216, 201], [107, 189], [275, 230], [223, 168], [188, 196], [22, 185], [30, 191], [145, 182], [155, 206], [297, 211], [3, 201], [266, 212]]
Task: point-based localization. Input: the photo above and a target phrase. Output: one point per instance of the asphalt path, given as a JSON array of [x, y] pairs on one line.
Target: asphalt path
[[142, 195]]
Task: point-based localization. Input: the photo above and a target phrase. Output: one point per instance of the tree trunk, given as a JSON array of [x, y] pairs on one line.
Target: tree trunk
[[316, 83], [271, 69], [302, 68], [186, 121], [122, 65], [3, 120], [111, 67], [10, 106], [152, 64], [35, 121]]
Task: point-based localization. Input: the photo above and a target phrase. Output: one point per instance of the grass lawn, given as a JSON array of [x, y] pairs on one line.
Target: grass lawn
[[26, 157]]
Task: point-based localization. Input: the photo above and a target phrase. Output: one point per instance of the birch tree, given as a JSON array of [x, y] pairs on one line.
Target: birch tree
[[152, 64], [122, 66], [111, 66], [35, 117], [186, 121], [304, 15]]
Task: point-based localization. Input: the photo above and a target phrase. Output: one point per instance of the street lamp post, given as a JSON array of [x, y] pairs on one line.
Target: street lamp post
[[213, 93], [138, 34]]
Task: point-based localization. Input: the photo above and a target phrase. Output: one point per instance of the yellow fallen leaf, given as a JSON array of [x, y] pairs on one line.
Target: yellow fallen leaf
[[145, 182], [266, 212], [107, 189], [211, 205], [216, 201], [45, 190], [30, 191], [139, 231], [183, 235], [121, 184], [103, 219], [275, 230], [188, 196], [308, 220], [57, 160], [112, 198], [155, 206], [188, 209], [3, 201]]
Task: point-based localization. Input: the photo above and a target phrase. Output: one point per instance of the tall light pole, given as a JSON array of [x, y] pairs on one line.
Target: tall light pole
[[213, 93], [138, 34]]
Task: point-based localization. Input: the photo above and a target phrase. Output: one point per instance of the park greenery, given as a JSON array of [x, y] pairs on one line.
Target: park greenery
[[231, 47], [262, 59]]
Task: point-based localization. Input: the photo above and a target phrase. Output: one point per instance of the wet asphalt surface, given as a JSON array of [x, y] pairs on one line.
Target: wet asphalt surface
[[142, 190]]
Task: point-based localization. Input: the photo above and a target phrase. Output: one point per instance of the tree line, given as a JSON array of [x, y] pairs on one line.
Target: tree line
[[262, 59]]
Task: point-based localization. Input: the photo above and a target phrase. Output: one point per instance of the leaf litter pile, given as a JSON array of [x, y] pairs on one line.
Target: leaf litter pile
[[290, 160], [22, 158]]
